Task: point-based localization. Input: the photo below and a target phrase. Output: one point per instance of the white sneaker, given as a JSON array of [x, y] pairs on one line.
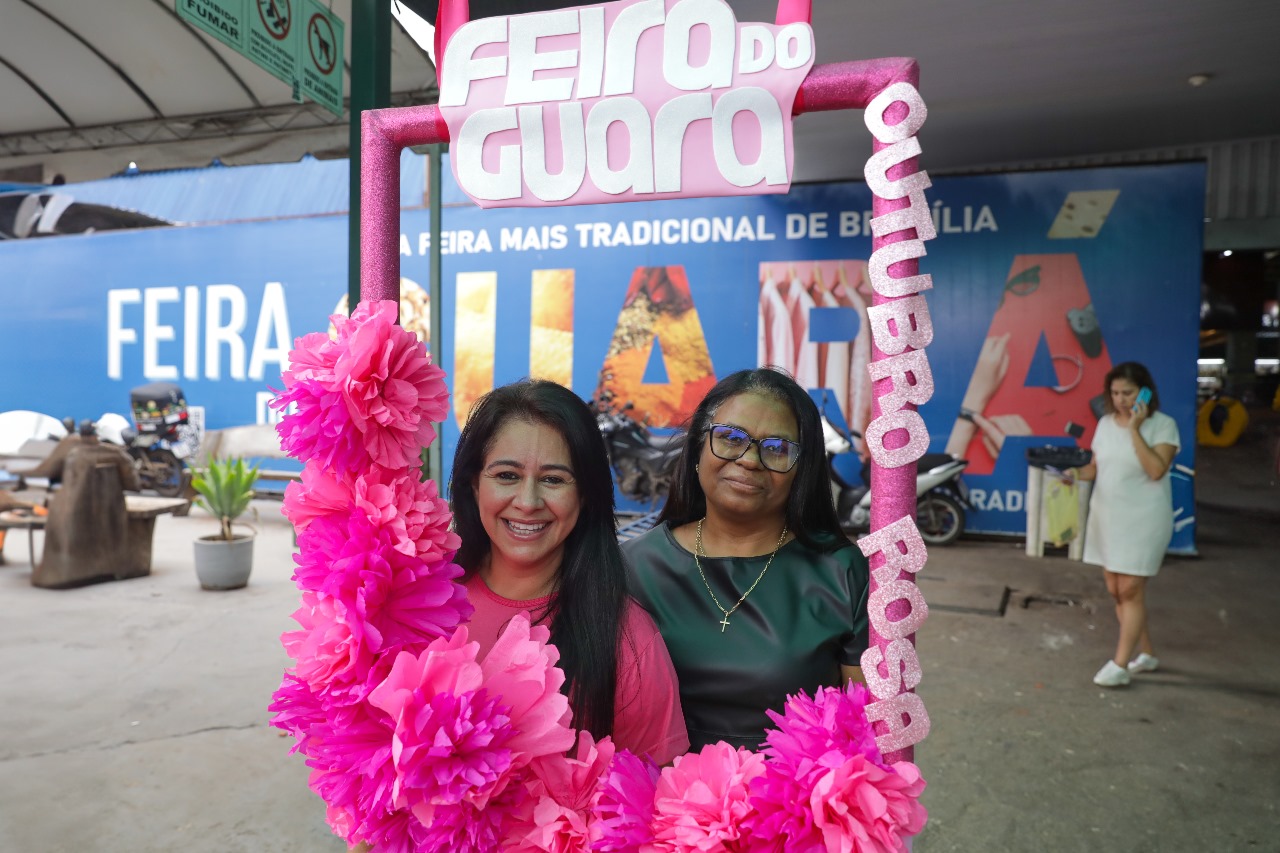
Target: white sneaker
[[1144, 663], [1111, 675]]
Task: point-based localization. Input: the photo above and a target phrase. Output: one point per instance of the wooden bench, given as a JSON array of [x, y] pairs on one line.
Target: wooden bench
[[142, 510]]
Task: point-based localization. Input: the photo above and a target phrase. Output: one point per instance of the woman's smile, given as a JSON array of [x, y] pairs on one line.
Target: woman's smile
[[526, 529]]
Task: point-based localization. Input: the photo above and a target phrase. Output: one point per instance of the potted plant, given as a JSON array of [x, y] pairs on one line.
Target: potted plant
[[225, 559]]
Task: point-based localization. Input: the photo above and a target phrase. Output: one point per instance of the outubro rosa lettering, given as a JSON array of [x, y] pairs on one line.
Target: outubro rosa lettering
[[626, 101], [901, 328]]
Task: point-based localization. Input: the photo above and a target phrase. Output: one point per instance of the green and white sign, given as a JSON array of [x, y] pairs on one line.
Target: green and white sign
[[320, 51], [222, 19], [271, 39], [298, 41]]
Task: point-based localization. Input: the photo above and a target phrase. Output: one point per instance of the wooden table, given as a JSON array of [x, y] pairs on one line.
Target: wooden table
[[142, 511], [11, 521]]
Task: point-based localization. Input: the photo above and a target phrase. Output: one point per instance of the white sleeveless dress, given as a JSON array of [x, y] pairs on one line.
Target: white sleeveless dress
[[1130, 515]]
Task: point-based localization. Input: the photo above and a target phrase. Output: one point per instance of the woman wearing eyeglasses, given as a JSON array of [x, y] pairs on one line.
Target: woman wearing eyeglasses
[[754, 587]]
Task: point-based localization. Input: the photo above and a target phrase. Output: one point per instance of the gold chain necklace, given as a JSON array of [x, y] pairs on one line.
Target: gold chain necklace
[[724, 623]]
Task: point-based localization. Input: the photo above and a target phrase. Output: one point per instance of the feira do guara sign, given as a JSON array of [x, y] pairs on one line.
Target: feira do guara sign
[[624, 101]]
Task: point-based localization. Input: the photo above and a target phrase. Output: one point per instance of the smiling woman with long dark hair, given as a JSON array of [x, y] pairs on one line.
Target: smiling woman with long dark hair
[[755, 588], [532, 498]]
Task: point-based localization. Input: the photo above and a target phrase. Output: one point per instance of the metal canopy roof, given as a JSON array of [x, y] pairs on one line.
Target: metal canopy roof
[[88, 87]]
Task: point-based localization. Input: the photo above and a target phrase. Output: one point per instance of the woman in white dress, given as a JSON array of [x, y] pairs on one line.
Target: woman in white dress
[[1131, 510]]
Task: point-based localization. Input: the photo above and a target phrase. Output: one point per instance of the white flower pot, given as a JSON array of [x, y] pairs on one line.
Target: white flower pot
[[224, 563]]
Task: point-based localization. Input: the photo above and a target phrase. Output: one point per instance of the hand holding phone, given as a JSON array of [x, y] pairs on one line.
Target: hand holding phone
[[1144, 397]]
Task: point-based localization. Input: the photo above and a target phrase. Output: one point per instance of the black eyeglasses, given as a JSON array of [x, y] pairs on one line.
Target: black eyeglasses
[[776, 454]]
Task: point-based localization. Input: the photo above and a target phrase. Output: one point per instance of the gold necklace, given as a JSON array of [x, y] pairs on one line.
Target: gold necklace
[[697, 549]]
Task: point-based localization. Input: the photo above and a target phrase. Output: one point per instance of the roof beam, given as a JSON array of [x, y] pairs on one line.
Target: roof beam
[[35, 87], [120, 72], [282, 119]]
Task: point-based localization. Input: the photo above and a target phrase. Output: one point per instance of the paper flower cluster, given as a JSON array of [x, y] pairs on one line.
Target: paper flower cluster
[[415, 744]]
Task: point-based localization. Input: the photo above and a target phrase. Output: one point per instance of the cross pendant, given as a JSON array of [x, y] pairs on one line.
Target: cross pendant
[[724, 623]]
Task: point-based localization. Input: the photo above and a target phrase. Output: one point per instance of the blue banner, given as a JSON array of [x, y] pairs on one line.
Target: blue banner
[[1042, 281]]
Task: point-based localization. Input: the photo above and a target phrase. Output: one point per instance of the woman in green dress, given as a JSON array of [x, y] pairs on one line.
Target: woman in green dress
[[756, 590]]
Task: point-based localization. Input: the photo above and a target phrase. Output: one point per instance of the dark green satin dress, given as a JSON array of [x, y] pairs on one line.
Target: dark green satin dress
[[805, 618]]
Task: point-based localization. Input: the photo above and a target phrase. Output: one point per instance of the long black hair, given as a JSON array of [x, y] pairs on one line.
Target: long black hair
[[811, 515], [1136, 373], [589, 593]]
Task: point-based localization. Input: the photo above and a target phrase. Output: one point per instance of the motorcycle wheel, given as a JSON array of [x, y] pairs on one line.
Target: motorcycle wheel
[[940, 519], [160, 470], [630, 479]]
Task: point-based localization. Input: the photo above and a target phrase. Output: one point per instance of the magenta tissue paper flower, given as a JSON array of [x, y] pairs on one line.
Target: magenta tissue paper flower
[[318, 494], [521, 668], [860, 807], [410, 509], [702, 802], [563, 791], [822, 758], [403, 601], [388, 384], [368, 397], [624, 805]]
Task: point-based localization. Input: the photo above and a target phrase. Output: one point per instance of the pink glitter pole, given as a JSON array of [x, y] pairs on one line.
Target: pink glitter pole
[[384, 133], [852, 85]]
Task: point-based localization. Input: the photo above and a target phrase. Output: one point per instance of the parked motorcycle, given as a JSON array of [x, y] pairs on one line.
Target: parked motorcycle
[[941, 496], [642, 462], [161, 438]]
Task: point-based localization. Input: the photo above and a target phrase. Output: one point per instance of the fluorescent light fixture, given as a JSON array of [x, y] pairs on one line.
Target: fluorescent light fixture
[[1266, 362], [1211, 362], [1226, 253]]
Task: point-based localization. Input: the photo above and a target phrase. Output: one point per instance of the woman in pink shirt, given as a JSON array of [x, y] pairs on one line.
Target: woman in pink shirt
[[532, 498]]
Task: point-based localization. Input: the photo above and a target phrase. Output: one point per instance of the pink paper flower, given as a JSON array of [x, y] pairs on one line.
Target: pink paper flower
[[702, 801], [350, 756], [467, 827], [833, 720], [451, 735], [398, 831], [860, 807], [320, 431], [297, 710], [368, 397], [816, 759], [521, 668], [319, 493], [391, 390], [563, 791], [410, 509], [624, 806], [402, 601], [333, 643], [312, 358]]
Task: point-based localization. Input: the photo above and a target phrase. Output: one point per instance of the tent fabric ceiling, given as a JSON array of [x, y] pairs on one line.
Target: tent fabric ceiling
[[88, 87]]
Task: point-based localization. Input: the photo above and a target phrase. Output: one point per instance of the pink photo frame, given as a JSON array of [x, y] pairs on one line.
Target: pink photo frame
[[894, 547]]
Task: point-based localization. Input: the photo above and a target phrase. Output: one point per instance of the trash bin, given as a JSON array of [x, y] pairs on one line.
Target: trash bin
[[1051, 518]]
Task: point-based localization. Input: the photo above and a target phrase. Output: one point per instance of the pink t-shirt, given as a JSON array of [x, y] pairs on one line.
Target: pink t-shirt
[[647, 718]]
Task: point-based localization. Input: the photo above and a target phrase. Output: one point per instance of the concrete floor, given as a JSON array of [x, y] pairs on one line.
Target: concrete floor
[[134, 713]]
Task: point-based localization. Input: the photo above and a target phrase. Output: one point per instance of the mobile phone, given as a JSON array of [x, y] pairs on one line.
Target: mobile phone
[[1144, 396]]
